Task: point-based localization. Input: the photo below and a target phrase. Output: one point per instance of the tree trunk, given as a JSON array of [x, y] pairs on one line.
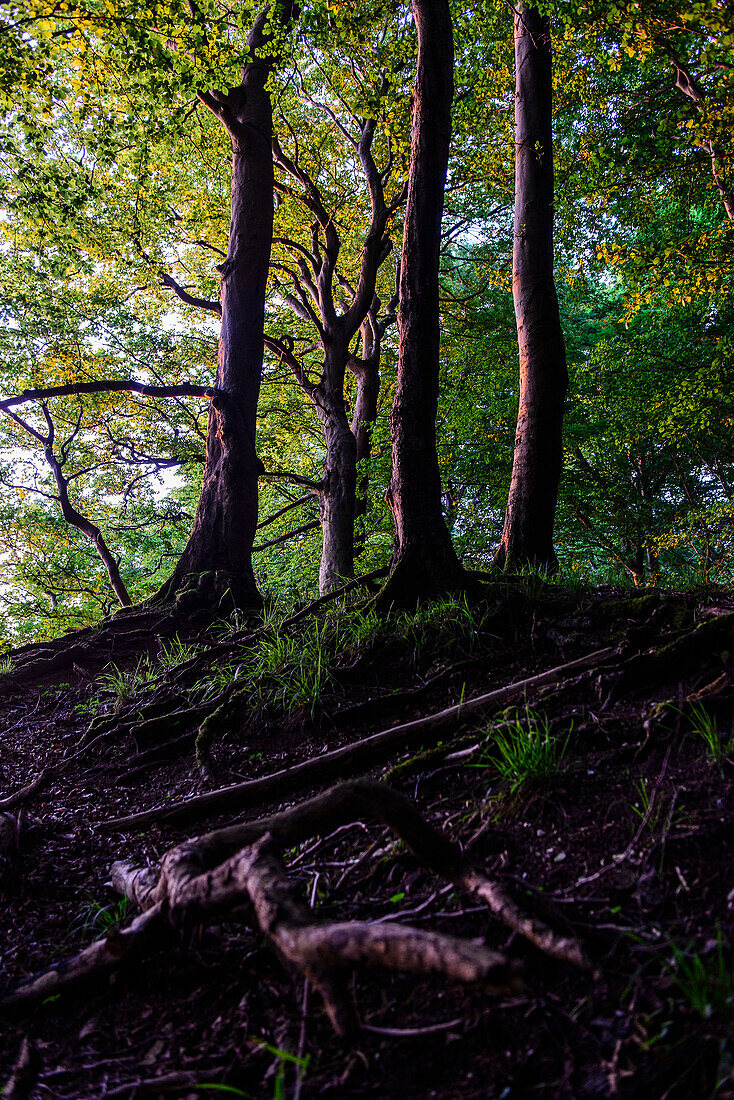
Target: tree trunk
[[218, 555], [527, 537], [424, 560], [338, 492], [364, 416]]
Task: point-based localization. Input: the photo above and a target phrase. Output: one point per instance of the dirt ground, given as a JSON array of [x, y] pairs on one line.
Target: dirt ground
[[622, 836]]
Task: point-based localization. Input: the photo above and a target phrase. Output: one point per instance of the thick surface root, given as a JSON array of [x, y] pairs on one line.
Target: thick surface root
[[356, 756], [238, 869]]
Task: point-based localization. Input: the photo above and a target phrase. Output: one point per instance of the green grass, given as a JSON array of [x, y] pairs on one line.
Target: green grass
[[287, 672], [524, 751], [705, 978], [94, 920], [175, 652], [704, 725], [534, 581], [123, 684]]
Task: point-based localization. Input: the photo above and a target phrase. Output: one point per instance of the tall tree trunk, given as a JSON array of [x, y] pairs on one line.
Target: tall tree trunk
[[339, 483], [218, 555], [364, 416], [424, 560], [336, 506], [314, 299], [527, 537]]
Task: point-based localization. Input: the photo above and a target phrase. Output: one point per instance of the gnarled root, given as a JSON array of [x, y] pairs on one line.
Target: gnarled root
[[238, 868]]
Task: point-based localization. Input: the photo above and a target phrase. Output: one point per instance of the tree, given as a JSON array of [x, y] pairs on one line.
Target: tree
[[167, 52], [424, 560], [649, 484], [313, 282], [56, 454], [220, 545], [113, 438], [536, 469], [331, 239]]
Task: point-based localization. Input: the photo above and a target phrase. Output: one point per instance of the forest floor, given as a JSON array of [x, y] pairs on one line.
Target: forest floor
[[601, 798]]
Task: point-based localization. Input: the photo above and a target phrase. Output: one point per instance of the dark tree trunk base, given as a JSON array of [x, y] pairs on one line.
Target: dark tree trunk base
[[417, 576], [216, 592]]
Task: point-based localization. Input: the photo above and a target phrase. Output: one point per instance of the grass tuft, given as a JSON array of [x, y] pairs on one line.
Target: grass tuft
[[525, 752], [705, 978]]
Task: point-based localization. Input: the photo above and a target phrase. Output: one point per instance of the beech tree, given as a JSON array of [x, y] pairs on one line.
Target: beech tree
[[336, 200], [217, 557], [218, 554], [313, 298], [424, 560], [96, 192], [527, 536]]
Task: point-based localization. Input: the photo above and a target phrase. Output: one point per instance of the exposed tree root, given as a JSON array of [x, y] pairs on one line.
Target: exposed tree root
[[246, 638], [91, 646], [677, 658], [167, 710], [25, 792], [95, 646], [238, 868], [353, 757], [22, 1082]]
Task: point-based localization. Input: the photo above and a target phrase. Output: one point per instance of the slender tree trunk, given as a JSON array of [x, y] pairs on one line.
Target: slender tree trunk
[[343, 498], [364, 416], [337, 328], [338, 492], [424, 560], [218, 555], [536, 469]]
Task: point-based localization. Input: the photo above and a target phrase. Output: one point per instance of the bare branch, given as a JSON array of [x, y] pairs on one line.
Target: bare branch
[[284, 351], [290, 535], [186, 389], [211, 247], [282, 511], [190, 299], [314, 487]]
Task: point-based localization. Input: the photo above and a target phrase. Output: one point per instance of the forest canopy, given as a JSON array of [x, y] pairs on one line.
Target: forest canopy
[[117, 139]]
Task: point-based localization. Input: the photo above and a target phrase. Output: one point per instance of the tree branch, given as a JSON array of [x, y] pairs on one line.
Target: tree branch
[[314, 487], [284, 538], [285, 354], [186, 389], [282, 511], [190, 299]]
